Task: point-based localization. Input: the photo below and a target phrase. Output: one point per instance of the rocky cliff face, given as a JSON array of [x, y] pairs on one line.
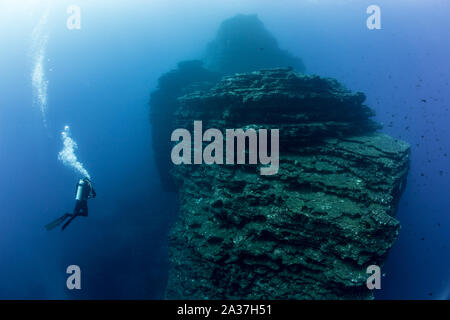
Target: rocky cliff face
[[189, 76], [311, 230]]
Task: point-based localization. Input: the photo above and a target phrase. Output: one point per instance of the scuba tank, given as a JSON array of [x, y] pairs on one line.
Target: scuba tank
[[80, 189]]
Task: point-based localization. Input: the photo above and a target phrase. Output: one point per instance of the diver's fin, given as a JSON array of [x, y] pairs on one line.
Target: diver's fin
[[57, 222], [68, 222]]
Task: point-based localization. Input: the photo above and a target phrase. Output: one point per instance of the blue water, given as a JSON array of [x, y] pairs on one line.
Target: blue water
[[99, 81]]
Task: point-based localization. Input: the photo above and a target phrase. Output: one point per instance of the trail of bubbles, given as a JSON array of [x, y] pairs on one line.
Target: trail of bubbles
[[39, 82], [67, 155]]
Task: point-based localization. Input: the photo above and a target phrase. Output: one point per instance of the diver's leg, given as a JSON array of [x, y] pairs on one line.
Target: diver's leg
[[78, 207], [68, 221], [57, 222], [76, 213], [84, 209]]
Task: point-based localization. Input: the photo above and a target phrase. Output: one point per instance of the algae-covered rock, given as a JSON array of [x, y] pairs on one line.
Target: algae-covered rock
[[307, 232]]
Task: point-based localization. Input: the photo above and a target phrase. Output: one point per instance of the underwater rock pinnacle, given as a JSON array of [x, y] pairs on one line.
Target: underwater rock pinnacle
[[307, 232]]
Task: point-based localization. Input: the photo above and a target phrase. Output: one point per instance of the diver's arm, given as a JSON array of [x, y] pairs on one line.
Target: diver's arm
[[92, 193]]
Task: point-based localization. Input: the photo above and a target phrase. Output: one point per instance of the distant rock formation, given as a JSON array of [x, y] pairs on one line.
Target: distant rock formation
[[243, 44], [308, 232]]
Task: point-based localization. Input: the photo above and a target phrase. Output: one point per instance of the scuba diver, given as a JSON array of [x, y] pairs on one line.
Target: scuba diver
[[84, 191]]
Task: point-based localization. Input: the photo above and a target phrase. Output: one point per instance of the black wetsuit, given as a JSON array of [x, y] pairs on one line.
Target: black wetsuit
[[81, 208]]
